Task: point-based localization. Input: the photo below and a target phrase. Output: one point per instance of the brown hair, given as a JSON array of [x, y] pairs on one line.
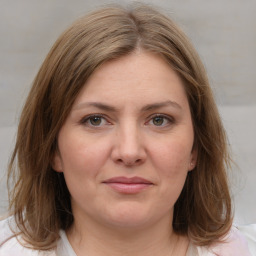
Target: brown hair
[[40, 200]]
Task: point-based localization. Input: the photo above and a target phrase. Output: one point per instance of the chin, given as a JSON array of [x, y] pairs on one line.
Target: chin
[[128, 217]]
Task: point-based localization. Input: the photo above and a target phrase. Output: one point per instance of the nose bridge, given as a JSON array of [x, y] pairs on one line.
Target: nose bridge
[[129, 138], [129, 144]]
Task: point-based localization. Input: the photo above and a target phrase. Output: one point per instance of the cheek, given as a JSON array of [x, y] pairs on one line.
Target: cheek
[[171, 164], [172, 158], [83, 156], [82, 163]]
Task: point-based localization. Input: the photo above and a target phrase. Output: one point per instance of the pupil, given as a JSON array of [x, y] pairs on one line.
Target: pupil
[[158, 121], [95, 120]]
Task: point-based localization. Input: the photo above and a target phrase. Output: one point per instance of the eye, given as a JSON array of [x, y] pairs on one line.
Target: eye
[[94, 121], [160, 120]]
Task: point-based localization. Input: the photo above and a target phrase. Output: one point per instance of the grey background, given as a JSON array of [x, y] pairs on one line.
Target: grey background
[[223, 32]]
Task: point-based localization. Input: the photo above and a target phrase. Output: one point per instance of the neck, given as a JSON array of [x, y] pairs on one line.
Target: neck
[[158, 239]]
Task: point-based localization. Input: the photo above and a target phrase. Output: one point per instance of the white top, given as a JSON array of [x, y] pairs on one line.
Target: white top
[[240, 241]]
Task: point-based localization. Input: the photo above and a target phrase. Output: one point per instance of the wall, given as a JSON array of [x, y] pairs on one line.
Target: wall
[[223, 31]]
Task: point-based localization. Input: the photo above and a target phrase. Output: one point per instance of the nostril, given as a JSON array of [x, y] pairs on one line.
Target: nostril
[[128, 154], [128, 162]]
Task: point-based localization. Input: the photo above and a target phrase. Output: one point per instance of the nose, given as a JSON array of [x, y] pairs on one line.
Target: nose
[[129, 147]]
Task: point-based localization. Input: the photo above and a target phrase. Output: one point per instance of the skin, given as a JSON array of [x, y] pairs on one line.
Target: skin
[[132, 118]]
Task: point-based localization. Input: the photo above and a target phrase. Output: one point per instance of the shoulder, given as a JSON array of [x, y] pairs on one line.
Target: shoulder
[[234, 243], [10, 245], [249, 232], [7, 229]]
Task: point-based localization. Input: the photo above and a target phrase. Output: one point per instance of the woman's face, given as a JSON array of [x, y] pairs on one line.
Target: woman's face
[[127, 144]]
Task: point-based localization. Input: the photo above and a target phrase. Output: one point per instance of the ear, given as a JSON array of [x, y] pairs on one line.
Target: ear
[[57, 162], [193, 160]]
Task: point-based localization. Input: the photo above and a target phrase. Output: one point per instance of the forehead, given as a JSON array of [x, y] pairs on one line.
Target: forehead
[[140, 77]]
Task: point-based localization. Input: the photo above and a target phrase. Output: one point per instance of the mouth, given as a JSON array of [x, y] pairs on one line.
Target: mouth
[[126, 185]]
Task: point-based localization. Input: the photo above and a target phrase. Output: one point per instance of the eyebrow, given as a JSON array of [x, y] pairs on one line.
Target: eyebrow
[[147, 107], [98, 105], [161, 104]]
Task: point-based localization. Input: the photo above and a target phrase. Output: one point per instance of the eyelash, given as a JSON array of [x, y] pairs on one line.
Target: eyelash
[[168, 119], [86, 120]]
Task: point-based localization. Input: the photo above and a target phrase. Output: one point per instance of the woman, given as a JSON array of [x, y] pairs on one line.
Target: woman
[[120, 149]]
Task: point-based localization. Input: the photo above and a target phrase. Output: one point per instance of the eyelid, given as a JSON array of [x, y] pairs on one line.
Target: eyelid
[[85, 119], [169, 118]]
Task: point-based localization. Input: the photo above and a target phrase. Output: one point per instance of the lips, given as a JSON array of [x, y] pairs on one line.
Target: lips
[[127, 185]]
